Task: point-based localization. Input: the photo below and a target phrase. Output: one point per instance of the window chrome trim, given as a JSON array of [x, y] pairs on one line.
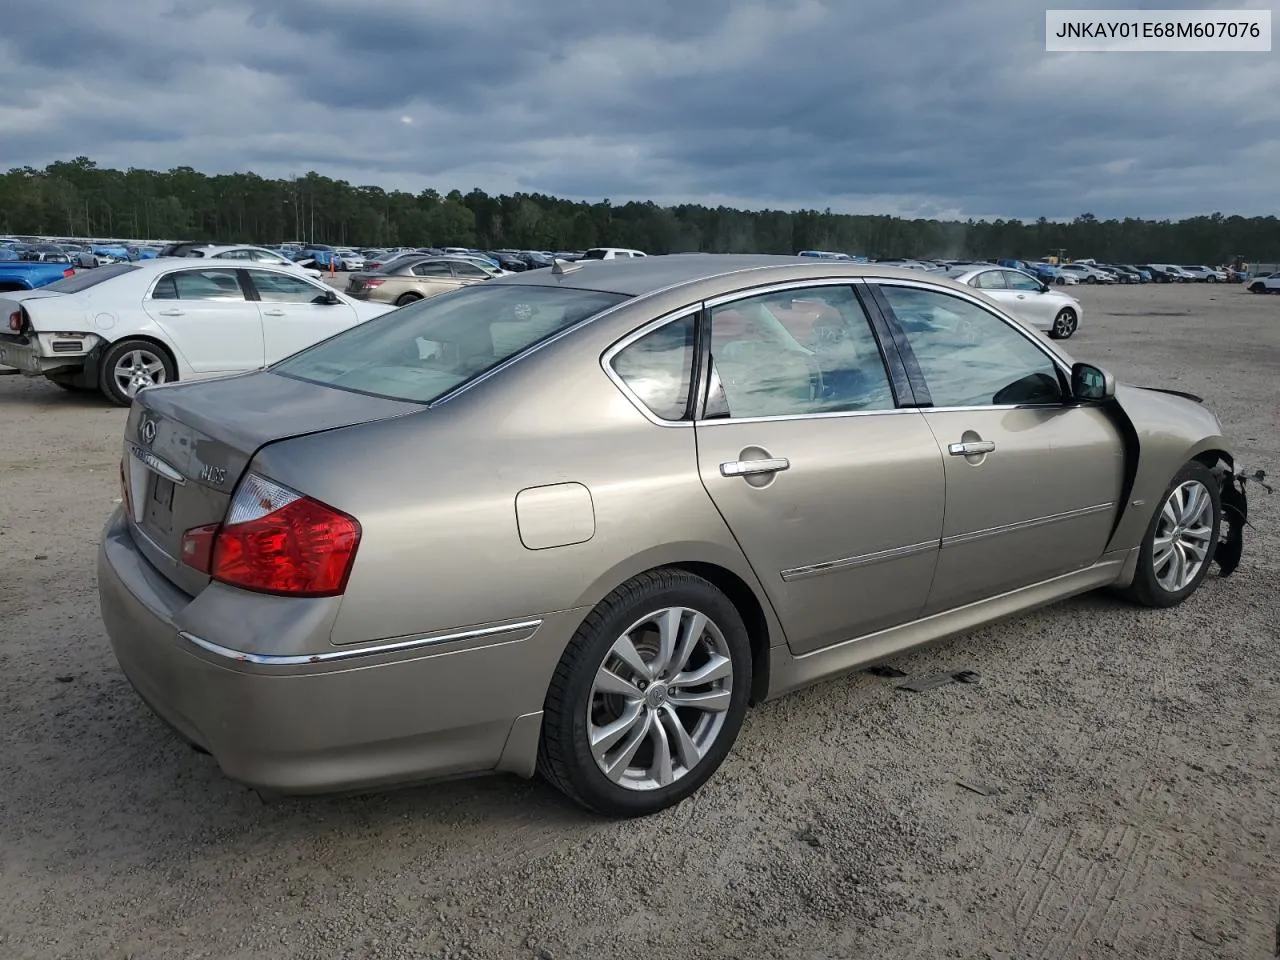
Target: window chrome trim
[[826, 415], [975, 535], [862, 560], [782, 286], [525, 627], [1032, 336], [994, 406], [607, 358]]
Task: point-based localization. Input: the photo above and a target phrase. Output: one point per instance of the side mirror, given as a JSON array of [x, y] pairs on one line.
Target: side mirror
[[1044, 287], [329, 297], [1091, 383]]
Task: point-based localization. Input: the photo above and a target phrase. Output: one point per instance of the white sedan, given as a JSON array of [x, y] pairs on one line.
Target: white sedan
[[1264, 283], [255, 254], [126, 326], [1030, 300]]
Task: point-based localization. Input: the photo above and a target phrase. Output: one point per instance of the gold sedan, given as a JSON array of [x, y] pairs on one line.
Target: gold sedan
[[408, 279]]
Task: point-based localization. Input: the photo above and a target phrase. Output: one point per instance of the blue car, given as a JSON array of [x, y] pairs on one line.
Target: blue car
[[31, 274], [1041, 271], [111, 252]]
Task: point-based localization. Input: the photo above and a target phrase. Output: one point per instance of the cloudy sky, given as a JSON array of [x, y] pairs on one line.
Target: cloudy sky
[[921, 108]]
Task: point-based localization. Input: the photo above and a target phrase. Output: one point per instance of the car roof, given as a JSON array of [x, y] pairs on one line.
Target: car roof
[[161, 264], [647, 275]]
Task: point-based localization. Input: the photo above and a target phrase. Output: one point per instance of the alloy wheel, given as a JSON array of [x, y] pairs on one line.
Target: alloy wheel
[[137, 369], [1183, 536], [1064, 324], [659, 699]]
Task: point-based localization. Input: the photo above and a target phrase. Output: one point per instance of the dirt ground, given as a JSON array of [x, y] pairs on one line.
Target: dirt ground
[[1134, 753]]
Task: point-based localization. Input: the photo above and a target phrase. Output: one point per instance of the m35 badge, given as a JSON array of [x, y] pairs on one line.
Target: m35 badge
[[213, 475]]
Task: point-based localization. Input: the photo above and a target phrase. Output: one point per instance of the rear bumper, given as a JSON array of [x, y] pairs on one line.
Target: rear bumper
[[22, 353], [348, 718]]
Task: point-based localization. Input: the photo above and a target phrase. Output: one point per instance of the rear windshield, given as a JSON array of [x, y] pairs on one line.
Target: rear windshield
[[421, 352], [89, 278]]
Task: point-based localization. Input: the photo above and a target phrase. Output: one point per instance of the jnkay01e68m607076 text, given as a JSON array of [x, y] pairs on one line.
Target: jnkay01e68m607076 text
[[1147, 30]]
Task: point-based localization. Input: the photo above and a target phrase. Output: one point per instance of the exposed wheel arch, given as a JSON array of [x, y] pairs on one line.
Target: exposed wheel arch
[[155, 342], [747, 596], [748, 604]]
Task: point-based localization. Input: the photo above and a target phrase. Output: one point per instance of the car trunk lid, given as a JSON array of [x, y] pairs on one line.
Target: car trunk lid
[[187, 446]]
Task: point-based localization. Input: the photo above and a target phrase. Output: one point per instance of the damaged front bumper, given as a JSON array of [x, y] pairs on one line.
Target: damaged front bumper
[[1235, 514]]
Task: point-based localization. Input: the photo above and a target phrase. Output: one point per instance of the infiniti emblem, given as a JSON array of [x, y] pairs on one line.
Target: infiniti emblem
[[148, 432]]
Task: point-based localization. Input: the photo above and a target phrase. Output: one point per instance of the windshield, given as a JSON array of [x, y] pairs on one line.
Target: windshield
[[89, 278], [423, 351]]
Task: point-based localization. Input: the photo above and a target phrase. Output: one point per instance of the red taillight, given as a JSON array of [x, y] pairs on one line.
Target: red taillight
[[373, 281], [276, 541], [197, 547], [68, 273], [15, 321]]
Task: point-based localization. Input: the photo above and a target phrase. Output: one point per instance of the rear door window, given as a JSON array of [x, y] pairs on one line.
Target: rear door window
[[198, 285]]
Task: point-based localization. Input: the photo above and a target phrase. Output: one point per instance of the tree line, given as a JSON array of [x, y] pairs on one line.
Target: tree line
[[79, 198]]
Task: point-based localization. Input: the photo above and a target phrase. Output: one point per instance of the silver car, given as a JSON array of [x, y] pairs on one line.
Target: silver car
[[576, 520], [1087, 273], [1032, 301]]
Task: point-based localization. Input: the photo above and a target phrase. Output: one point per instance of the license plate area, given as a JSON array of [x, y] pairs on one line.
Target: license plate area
[[151, 494], [158, 514]]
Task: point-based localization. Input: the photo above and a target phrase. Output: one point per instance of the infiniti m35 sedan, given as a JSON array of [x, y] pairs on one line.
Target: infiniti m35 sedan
[[574, 521]]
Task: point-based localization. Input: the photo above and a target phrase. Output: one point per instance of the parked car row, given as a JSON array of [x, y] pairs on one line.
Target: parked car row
[[512, 261], [80, 254]]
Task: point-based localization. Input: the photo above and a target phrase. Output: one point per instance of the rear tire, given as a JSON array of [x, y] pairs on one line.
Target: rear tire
[[130, 365], [1180, 541], [617, 702], [407, 298]]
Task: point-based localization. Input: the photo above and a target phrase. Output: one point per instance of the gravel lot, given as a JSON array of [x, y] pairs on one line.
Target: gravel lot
[[1134, 753]]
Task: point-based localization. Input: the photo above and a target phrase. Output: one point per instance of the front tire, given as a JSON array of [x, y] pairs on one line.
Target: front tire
[[1257, 288], [648, 697], [130, 365], [1180, 540], [1064, 324]]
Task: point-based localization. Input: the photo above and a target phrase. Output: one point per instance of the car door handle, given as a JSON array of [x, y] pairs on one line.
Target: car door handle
[[171, 313], [971, 448], [750, 468], [273, 313], [1022, 296]]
